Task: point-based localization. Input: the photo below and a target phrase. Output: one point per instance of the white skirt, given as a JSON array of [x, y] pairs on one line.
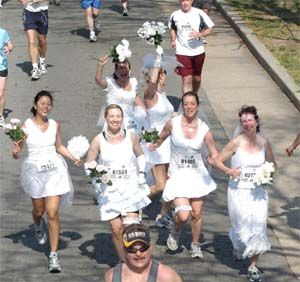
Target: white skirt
[[120, 198], [188, 183], [248, 212], [53, 182]]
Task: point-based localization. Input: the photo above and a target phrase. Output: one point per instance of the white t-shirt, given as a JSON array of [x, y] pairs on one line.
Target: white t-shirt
[[184, 24], [37, 7]]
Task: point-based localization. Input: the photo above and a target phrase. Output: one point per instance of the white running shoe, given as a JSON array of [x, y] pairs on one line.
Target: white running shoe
[[93, 37], [96, 25], [196, 250], [43, 68], [40, 233], [54, 265], [173, 240], [125, 13], [164, 221], [35, 74], [254, 274], [56, 2]]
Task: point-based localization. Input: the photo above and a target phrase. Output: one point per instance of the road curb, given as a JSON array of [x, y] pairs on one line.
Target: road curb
[[261, 53]]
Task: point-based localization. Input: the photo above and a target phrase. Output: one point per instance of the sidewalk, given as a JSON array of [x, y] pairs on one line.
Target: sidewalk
[[232, 77]]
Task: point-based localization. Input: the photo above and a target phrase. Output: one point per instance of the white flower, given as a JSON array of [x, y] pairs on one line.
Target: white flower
[[151, 41], [121, 58], [105, 178], [119, 49], [125, 43], [159, 50], [7, 128], [78, 146], [15, 122], [127, 53], [146, 24], [264, 174], [90, 165], [100, 168], [150, 31]]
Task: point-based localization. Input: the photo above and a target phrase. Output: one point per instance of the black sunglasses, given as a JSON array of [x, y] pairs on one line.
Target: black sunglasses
[[142, 249]]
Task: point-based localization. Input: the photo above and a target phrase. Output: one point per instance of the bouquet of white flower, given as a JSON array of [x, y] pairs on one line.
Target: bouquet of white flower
[[265, 174], [152, 32], [14, 130], [98, 173], [120, 52], [78, 146]]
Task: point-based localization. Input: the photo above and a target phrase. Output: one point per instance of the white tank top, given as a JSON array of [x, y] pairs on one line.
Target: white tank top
[[39, 143], [160, 113], [186, 153], [119, 158]]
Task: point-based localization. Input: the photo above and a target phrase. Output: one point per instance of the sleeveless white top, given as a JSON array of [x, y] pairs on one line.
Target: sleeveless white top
[[189, 177], [160, 113]]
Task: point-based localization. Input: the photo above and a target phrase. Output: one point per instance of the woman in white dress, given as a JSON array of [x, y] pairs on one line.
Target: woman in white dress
[[121, 89], [247, 201], [189, 181], [159, 111], [120, 152], [44, 173]]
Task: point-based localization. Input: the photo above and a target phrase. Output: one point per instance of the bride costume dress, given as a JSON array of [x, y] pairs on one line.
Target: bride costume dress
[[188, 176], [157, 116], [134, 116], [125, 195], [248, 205], [44, 172]]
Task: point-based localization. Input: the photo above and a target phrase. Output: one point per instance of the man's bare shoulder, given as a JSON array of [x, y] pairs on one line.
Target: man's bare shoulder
[[167, 274], [109, 275]]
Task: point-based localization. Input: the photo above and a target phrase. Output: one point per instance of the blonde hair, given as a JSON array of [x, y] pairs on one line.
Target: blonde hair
[[112, 106]]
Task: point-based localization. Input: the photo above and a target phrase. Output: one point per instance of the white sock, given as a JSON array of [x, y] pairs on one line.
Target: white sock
[[35, 66], [53, 254], [42, 60]]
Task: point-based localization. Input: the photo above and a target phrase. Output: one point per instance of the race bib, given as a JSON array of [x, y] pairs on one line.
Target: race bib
[[248, 174], [188, 161], [121, 173], [47, 165]]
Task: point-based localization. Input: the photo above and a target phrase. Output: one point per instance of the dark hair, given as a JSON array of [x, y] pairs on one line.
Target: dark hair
[[192, 94], [110, 107], [245, 109], [37, 97], [116, 66]]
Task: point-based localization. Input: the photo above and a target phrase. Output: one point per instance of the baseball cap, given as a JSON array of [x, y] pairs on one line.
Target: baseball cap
[[136, 233]]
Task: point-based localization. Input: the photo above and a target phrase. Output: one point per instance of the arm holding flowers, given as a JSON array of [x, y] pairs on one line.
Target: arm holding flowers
[[165, 133], [61, 149], [99, 73], [17, 149]]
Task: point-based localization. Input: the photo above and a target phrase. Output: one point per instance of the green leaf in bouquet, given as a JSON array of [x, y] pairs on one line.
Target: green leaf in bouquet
[[17, 134]]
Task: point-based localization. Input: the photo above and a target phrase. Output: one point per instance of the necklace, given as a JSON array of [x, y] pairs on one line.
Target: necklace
[[113, 135]]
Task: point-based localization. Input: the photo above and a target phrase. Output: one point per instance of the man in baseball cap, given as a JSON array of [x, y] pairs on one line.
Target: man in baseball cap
[[139, 263]]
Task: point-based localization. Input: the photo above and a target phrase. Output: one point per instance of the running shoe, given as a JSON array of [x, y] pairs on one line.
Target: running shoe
[[254, 274], [173, 240], [196, 250], [56, 2], [93, 37], [35, 74], [164, 221], [40, 233], [125, 13], [54, 265], [43, 68]]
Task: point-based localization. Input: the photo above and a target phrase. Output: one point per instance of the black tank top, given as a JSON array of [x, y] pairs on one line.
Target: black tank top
[[117, 274]]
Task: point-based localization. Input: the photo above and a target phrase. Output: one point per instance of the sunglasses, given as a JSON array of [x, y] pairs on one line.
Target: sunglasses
[[142, 249]]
